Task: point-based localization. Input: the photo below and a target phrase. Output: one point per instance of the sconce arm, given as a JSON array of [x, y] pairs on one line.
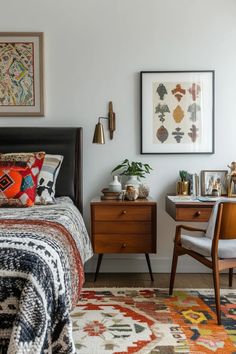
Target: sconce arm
[[102, 118]]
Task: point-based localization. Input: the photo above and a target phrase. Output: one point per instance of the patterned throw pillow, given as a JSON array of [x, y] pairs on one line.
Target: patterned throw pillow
[[47, 179], [18, 178]]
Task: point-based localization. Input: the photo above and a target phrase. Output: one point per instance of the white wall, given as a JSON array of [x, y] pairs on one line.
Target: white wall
[[94, 51]]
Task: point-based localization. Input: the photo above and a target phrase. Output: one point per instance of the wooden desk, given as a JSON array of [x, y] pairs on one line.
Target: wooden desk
[[189, 210]]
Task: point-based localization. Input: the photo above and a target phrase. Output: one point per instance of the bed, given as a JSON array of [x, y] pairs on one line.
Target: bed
[[42, 250]]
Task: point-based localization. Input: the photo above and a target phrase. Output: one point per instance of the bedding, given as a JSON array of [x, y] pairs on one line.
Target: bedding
[[42, 252]]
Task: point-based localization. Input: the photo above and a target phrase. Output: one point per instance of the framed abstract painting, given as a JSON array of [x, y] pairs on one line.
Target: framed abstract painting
[[177, 112], [21, 74]]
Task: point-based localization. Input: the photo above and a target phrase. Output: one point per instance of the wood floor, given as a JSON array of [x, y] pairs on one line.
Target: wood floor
[[160, 280]]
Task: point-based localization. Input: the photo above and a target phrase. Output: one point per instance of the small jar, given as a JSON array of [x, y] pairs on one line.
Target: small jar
[[143, 191], [131, 193]]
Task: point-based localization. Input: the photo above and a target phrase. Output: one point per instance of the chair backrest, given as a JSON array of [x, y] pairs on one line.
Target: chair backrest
[[226, 220]]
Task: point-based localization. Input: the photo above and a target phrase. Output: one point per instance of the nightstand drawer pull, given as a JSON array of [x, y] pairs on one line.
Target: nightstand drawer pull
[[124, 245], [123, 212], [198, 213]]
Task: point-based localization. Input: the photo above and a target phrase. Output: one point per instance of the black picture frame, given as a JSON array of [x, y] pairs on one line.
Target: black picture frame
[[177, 112]]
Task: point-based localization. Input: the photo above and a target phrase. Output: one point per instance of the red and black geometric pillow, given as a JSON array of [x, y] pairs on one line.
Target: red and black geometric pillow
[[18, 178]]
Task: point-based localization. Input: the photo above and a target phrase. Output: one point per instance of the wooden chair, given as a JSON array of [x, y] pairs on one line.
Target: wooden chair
[[216, 249]]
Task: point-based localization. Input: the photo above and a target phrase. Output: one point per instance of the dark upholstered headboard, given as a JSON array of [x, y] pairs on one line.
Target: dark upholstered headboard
[[62, 141]]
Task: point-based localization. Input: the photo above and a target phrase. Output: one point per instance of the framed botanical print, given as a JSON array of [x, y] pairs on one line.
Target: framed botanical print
[[21, 74], [177, 112]]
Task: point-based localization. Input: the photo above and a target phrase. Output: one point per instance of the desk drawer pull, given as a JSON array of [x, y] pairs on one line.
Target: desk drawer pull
[[124, 245], [198, 213], [123, 212]]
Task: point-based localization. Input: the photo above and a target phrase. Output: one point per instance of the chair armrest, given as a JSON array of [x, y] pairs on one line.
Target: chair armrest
[[189, 228], [177, 239]]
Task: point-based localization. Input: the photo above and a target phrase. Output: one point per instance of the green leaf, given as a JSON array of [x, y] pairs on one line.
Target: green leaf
[[133, 168], [183, 175], [117, 168]]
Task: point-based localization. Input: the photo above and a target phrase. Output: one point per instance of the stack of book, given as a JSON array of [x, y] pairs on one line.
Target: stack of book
[[108, 195]]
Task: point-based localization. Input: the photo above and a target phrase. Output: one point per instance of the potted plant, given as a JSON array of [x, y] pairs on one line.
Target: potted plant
[[135, 171], [182, 186]]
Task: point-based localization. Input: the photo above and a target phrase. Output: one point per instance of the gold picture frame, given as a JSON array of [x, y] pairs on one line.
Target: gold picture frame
[[21, 67]]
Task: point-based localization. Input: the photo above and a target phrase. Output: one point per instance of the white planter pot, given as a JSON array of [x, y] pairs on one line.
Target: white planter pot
[[132, 181]]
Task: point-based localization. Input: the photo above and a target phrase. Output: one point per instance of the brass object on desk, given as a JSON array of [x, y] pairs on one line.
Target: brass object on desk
[[231, 187], [231, 183], [182, 188]]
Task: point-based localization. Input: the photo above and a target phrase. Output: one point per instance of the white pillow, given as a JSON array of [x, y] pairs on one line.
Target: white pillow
[[47, 179]]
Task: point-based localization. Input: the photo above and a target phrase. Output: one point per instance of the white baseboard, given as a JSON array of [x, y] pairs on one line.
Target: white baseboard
[[138, 264]]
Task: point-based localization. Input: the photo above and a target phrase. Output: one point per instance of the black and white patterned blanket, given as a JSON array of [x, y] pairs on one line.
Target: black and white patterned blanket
[[42, 252]]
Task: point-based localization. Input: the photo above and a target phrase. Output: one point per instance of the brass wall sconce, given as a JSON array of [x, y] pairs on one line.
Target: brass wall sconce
[[98, 137]]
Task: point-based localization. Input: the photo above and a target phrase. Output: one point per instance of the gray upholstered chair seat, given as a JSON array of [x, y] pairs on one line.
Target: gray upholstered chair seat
[[202, 245]]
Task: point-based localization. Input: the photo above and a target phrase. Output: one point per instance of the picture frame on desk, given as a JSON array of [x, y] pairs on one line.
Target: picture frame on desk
[[211, 179], [177, 112]]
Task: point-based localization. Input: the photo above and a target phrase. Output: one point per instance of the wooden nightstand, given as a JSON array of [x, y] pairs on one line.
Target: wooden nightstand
[[123, 227]]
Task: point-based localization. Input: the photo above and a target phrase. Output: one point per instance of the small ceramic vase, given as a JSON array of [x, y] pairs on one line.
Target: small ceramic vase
[[131, 193], [115, 185], [143, 191]]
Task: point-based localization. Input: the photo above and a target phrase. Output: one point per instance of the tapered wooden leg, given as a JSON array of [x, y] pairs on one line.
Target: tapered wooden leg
[[216, 278], [173, 270], [98, 265], [149, 266], [231, 270]]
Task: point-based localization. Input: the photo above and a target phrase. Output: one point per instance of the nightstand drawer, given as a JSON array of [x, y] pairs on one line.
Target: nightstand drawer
[[193, 214], [122, 213], [123, 244], [127, 227]]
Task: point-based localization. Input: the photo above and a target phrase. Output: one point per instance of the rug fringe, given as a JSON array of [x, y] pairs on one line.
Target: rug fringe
[[156, 288]]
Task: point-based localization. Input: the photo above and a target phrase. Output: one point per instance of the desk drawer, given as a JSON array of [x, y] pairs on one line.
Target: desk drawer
[[193, 214], [123, 244], [127, 227], [122, 213]]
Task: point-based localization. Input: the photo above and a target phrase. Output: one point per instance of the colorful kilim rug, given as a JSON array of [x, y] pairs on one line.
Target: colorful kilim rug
[[149, 321]]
